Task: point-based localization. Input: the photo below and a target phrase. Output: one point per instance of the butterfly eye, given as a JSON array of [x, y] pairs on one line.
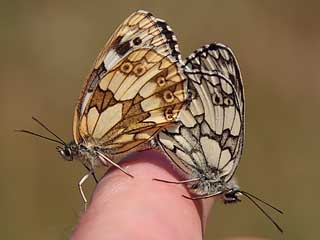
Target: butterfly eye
[[66, 153], [232, 196], [137, 41], [168, 96]]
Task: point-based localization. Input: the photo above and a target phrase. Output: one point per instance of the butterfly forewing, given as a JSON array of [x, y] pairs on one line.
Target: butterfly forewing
[[208, 138], [217, 57], [135, 88], [141, 29]]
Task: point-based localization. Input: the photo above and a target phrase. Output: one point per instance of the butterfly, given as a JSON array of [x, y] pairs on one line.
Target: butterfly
[[135, 88], [206, 144]]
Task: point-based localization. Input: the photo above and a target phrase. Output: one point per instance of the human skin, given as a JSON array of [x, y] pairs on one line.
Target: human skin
[[141, 208]]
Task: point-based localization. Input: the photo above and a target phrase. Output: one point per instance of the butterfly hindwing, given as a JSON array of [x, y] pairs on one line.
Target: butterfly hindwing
[[210, 131], [137, 97]]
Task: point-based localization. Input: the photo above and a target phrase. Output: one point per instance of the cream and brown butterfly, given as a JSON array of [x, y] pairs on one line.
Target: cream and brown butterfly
[[207, 142], [135, 88]]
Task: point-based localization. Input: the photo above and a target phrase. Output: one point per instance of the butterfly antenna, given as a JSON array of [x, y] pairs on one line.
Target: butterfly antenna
[[252, 199], [260, 200], [46, 128], [38, 135]]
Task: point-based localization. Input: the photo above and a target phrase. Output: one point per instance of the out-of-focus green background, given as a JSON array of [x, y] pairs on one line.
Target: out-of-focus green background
[[47, 48]]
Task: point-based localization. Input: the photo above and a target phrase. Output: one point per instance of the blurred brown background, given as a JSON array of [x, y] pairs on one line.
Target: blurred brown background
[[47, 48]]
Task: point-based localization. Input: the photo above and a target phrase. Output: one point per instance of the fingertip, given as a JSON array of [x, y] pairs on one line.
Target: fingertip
[[140, 207]]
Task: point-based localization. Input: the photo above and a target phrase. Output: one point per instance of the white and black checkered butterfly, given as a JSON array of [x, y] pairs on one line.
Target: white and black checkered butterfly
[[206, 144]]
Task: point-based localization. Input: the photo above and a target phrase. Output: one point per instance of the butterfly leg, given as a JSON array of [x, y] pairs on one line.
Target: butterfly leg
[[82, 180], [106, 161], [177, 182]]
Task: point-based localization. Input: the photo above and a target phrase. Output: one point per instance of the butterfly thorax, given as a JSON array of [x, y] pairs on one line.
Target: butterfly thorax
[[210, 183], [88, 154], [205, 187]]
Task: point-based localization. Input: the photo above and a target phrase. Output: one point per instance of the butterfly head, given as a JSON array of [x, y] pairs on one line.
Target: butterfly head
[[65, 152], [232, 196], [68, 151]]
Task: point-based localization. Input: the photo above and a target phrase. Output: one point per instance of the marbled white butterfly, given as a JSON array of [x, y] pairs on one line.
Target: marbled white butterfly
[[207, 142]]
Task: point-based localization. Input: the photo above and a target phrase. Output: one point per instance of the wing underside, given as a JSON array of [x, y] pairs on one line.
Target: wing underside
[[209, 136], [135, 88]]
